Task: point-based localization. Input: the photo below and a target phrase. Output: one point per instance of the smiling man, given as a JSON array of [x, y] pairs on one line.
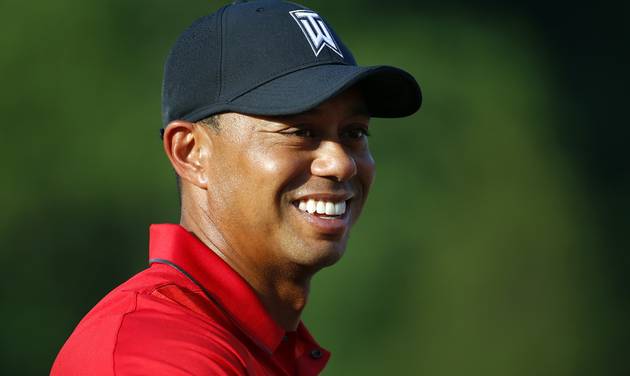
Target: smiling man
[[266, 118]]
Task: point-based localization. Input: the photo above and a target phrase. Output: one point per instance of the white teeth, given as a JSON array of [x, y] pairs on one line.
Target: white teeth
[[322, 207], [311, 206], [340, 208]]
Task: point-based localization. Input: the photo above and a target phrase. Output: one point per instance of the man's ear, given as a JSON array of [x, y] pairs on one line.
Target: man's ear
[[188, 148]]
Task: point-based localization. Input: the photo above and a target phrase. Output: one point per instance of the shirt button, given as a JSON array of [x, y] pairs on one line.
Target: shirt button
[[316, 353]]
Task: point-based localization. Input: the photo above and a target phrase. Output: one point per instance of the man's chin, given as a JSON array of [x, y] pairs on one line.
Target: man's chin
[[321, 254]]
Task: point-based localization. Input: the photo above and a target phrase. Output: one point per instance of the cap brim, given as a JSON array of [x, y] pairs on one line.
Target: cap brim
[[389, 92]]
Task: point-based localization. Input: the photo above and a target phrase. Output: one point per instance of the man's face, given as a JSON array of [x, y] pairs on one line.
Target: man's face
[[286, 190]]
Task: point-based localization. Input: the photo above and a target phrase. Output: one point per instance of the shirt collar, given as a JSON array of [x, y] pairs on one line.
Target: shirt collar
[[172, 244]]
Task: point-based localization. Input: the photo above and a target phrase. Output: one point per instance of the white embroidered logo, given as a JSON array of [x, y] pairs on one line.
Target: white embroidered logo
[[315, 31]]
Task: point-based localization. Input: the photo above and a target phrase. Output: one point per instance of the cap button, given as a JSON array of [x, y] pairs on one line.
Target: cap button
[[316, 353]]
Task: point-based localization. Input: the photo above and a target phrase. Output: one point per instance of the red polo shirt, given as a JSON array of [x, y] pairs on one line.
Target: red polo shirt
[[189, 313]]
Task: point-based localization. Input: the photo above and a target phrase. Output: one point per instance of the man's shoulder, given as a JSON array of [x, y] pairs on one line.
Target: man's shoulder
[[123, 300], [158, 318]]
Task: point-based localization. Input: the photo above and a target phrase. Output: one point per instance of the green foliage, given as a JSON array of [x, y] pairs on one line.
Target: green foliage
[[469, 256]]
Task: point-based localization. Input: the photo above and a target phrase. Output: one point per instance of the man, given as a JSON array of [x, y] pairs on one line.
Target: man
[[266, 119]]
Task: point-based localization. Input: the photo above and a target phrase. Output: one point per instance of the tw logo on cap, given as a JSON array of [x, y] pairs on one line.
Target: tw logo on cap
[[315, 31]]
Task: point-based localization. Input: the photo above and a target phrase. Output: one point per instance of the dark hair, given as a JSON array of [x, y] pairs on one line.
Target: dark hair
[[211, 121]]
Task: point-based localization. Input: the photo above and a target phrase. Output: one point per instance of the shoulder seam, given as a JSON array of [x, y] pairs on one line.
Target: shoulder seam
[[135, 305]]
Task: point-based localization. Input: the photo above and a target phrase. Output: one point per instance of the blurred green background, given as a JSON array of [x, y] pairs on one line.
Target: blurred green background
[[494, 241]]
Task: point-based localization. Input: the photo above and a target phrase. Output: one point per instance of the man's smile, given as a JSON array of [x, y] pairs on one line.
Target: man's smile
[[329, 214], [324, 209]]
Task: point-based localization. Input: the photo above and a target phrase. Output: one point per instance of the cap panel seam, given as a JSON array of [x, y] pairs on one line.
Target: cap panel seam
[[335, 89], [228, 106], [223, 106], [221, 37], [281, 73]]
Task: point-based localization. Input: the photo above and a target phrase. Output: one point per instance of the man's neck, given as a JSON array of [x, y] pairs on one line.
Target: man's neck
[[282, 290], [284, 300]]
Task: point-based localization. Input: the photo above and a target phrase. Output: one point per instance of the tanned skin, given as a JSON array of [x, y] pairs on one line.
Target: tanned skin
[[241, 184]]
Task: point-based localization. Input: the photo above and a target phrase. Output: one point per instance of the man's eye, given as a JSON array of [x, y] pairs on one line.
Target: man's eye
[[302, 132], [357, 133]]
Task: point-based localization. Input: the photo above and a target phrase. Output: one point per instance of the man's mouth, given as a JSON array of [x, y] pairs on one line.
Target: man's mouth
[[328, 212], [322, 208]]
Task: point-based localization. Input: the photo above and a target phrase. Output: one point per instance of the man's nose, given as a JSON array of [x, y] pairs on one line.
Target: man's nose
[[333, 161]]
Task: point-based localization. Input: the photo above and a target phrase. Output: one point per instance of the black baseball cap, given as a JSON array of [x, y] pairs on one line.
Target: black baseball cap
[[271, 57]]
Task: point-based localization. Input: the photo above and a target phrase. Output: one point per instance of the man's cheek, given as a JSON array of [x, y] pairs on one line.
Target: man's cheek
[[366, 167]]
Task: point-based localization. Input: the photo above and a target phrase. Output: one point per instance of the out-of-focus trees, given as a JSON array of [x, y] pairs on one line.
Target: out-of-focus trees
[[482, 249]]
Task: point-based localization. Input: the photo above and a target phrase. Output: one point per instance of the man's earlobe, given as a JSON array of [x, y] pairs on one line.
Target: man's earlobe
[[187, 148]]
